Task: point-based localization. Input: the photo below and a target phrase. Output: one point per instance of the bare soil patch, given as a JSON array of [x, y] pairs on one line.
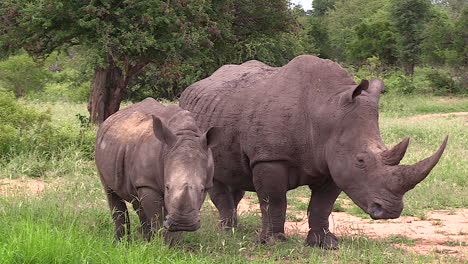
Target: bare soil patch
[[443, 232], [437, 115], [21, 186]]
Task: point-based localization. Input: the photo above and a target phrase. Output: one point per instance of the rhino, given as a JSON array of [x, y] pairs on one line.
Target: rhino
[[305, 123], [156, 158]]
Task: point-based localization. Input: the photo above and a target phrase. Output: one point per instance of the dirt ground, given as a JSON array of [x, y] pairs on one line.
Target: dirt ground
[[443, 231], [437, 115], [22, 186]]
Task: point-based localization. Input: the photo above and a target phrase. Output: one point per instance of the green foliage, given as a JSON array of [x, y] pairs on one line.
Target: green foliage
[[244, 30], [166, 81], [373, 39], [266, 31], [442, 83], [438, 38], [24, 129], [184, 40], [409, 17], [400, 83], [19, 123], [320, 7], [22, 75], [127, 30], [344, 17], [317, 30]]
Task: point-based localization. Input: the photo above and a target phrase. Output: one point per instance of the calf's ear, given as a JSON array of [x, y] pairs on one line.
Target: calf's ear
[[162, 132], [213, 136]]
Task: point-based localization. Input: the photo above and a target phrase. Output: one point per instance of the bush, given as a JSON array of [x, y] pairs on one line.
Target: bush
[[25, 129], [62, 92], [442, 83], [398, 82], [22, 75]]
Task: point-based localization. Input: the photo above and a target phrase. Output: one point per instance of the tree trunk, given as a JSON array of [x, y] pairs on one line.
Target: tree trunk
[[108, 88], [106, 93]]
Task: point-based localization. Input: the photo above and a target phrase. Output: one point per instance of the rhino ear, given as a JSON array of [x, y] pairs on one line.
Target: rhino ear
[[349, 95], [213, 136], [376, 87], [361, 87], [162, 132]]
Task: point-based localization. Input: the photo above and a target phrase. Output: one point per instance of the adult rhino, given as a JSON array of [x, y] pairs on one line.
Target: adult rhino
[[306, 123], [156, 158]]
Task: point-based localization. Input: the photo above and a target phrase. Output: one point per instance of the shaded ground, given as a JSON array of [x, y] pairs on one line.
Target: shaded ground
[[443, 231]]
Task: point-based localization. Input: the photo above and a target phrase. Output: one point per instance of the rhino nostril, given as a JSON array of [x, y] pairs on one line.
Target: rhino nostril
[[376, 210]]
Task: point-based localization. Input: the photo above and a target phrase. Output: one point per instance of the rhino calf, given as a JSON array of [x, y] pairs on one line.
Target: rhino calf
[[155, 157], [306, 123]]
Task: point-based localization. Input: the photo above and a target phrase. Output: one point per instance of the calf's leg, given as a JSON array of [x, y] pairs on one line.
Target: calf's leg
[[119, 214], [153, 209], [226, 199], [145, 224]]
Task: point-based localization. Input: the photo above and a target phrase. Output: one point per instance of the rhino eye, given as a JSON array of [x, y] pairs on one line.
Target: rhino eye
[[360, 160]]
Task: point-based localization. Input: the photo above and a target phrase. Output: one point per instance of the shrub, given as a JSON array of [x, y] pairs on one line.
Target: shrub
[[398, 82], [442, 83], [25, 129], [22, 75], [18, 122]]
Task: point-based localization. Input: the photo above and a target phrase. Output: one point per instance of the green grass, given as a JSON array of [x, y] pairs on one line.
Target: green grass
[[392, 105], [70, 223]]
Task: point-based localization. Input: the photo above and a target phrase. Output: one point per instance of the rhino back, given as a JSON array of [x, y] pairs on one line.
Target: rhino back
[[127, 152], [218, 101], [267, 113]]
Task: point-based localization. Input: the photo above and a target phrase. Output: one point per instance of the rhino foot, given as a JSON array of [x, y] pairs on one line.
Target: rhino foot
[[270, 238], [172, 238], [322, 239], [229, 223]]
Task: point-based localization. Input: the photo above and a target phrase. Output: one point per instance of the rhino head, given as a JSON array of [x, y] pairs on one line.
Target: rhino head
[[360, 163], [188, 174]]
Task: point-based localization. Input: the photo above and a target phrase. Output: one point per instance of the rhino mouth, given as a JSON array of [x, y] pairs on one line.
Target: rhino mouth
[[188, 224], [376, 211]]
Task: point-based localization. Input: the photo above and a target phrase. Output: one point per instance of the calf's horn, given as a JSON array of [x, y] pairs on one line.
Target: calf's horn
[[394, 155], [413, 174]]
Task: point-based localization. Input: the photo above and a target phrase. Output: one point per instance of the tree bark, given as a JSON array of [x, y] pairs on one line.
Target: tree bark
[[108, 88], [106, 93]]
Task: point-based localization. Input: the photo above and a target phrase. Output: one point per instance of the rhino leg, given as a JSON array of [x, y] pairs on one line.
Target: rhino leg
[[270, 181], [119, 214], [172, 238], [226, 200], [320, 207], [153, 209], [145, 224]]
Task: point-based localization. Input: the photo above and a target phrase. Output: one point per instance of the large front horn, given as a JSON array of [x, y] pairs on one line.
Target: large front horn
[[413, 174], [394, 155]]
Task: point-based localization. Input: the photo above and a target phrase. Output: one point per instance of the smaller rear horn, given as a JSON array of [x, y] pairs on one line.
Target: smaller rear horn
[[394, 155]]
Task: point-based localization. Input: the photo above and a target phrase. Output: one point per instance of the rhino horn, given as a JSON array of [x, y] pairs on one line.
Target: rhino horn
[[394, 155], [413, 174], [184, 200]]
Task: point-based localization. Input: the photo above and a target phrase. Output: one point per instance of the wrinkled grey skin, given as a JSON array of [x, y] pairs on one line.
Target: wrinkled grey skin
[[306, 123], [156, 158]]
